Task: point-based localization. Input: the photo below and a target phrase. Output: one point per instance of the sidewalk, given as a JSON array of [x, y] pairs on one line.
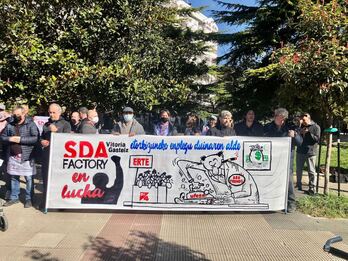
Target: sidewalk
[[88, 235]]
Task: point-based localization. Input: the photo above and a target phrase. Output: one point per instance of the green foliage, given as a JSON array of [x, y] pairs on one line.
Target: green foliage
[[330, 206], [316, 64], [266, 28], [106, 51]]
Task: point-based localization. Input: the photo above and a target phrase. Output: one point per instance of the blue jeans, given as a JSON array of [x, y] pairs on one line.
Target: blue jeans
[[15, 187]]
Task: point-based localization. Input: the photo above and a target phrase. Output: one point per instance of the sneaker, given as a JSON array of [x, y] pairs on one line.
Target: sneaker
[[10, 202], [28, 204], [298, 186], [310, 192]]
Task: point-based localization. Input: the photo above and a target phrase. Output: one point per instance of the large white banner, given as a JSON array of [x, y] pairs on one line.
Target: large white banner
[[168, 173]]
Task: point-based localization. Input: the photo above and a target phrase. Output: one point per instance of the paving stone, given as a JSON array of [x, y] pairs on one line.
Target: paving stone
[[45, 240]]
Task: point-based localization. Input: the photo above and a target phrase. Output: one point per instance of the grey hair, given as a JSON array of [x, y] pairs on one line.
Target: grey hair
[[225, 113], [281, 112], [58, 107], [18, 107]]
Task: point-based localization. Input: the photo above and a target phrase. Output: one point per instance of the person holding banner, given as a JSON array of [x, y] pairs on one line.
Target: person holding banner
[[164, 127], [249, 126], [128, 124], [74, 121], [225, 127], [21, 135], [57, 124], [280, 128], [89, 125]]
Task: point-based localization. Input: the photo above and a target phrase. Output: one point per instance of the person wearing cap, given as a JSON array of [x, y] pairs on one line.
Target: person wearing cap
[[83, 113], [249, 126], [307, 151], [164, 127], [211, 124], [225, 127], [128, 124]]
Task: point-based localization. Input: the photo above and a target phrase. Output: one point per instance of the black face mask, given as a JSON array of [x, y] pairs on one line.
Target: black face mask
[[16, 119], [164, 120]]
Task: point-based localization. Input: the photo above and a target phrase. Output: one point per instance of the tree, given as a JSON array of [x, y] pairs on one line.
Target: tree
[[265, 27], [314, 69], [106, 51]]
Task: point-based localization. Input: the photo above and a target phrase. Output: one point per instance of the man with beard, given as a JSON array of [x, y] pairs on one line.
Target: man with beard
[[21, 136], [225, 127]]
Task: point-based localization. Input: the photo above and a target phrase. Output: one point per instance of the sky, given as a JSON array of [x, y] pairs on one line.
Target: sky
[[212, 5]]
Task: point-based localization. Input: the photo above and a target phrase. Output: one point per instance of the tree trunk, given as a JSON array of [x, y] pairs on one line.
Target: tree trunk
[[327, 163]]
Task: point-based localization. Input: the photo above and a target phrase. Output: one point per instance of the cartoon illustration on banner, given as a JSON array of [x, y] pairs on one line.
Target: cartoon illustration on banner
[[213, 180], [197, 173]]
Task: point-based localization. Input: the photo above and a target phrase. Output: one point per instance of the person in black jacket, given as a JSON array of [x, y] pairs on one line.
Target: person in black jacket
[[225, 128], [249, 126], [280, 128], [20, 135], [310, 132], [56, 123]]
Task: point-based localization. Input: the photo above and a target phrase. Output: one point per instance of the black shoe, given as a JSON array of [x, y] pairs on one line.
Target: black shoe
[[310, 192], [291, 208], [10, 202], [28, 204], [298, 186]]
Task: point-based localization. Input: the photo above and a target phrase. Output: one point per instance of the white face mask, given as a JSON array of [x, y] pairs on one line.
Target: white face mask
[[95, 119], [128, 117]]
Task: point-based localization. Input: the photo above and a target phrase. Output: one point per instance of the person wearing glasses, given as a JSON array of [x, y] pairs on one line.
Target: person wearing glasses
[[307, 151]]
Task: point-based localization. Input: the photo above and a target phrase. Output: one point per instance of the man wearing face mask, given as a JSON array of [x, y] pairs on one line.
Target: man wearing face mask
[[21, 135], [74, 121], [90, 125], [164, 127], [128, 124]]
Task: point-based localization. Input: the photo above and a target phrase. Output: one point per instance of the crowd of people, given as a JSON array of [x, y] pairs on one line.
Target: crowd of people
[[22, 143]]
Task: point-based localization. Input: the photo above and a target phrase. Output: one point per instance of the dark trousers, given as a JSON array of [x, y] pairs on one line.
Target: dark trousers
[[291, 191], [44, 173]]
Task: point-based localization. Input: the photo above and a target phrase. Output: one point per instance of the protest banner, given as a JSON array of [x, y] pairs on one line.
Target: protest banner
[[178, 173], [40, 121]]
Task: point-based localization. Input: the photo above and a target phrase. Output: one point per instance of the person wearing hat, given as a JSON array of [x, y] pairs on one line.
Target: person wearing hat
[[211, 124], [128, 124], [249, 126]]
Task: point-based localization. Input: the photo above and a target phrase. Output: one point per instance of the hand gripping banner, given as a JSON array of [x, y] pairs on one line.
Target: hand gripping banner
[[168, 173]]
